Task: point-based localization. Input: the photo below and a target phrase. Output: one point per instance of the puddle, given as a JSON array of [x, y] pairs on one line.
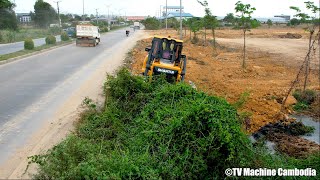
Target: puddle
[[308, 121], [271, 147], [268, 144]]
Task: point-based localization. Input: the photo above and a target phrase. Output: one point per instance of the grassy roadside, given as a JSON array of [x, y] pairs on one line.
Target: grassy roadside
[[7, 36], [36, 49], [158, 131]]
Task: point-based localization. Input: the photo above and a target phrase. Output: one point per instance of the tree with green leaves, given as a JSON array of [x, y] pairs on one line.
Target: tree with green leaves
[[66, 18], [229, 18], [209, 21], [311, 28], [8, 18], [195, 25], [294, 22], [184, 26], [151, 23], [44, 14], [172, 23], [269, 22], [245, 23], [189, 24]]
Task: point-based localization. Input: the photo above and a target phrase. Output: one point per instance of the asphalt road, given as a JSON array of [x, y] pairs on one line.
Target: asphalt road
[[18, 46], [31, 89]]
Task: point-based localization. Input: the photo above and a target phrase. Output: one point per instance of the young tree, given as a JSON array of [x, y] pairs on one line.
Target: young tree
[[185, 25], [8, 18], [209, 21], [189, 24], [311, 28], [173, 23], [44, 14], [195, 26], [245, 23], [269, 22]]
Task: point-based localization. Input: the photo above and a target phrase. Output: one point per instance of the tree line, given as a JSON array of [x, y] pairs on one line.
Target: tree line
[[42, 16]]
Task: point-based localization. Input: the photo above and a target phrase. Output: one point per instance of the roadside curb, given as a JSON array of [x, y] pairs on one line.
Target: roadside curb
[[34, 53]]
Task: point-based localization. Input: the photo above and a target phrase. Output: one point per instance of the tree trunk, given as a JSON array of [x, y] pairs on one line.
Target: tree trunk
[[205, 36], [307, 63], [185, 32], [214, 37], [244, 49]]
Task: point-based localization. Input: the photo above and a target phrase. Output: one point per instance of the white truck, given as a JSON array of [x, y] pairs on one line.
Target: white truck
[[87, 34], [136, 25]]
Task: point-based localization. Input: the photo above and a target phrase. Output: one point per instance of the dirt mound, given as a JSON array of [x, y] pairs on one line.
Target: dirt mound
[[294, 146], [290, 36], [286, 137]]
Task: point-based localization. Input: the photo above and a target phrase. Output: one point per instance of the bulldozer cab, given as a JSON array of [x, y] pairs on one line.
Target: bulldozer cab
[[166, 50], [165, 56]]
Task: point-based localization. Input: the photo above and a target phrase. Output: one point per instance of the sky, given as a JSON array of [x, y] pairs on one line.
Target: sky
[[265, 8]]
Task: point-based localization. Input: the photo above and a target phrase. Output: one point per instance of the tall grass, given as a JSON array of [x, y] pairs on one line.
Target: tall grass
[[22, 34]]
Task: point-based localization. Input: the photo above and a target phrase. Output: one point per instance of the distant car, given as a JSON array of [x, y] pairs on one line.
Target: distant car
[[71, 31], [131, 26]]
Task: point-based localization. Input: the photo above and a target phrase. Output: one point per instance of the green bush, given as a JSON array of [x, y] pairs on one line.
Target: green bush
[[104, 29], [1, 37], [11, 36], [64, 37], [151, 23], [28, 44], [300, 106], [50, 39], [306, 97], [55, 30]]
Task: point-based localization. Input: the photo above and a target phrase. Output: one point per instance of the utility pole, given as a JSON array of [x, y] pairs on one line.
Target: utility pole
[[83, 19], [58, 13], [166, 14], [181, 19], [109, 22], [97, 15]]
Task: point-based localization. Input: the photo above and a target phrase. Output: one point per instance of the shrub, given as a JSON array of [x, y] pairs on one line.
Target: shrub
[[64, 37], [306, 97], [11, 36], [151, 23], [55, 30], [1, 37], [104, 29], [50, 39], [28, 44], [300, 106]]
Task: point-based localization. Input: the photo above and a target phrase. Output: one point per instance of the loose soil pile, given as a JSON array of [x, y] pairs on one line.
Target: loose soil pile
[[291, 36], [285, 136]]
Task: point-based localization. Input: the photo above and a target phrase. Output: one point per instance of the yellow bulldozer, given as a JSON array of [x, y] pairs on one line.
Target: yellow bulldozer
[[164, 57]]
